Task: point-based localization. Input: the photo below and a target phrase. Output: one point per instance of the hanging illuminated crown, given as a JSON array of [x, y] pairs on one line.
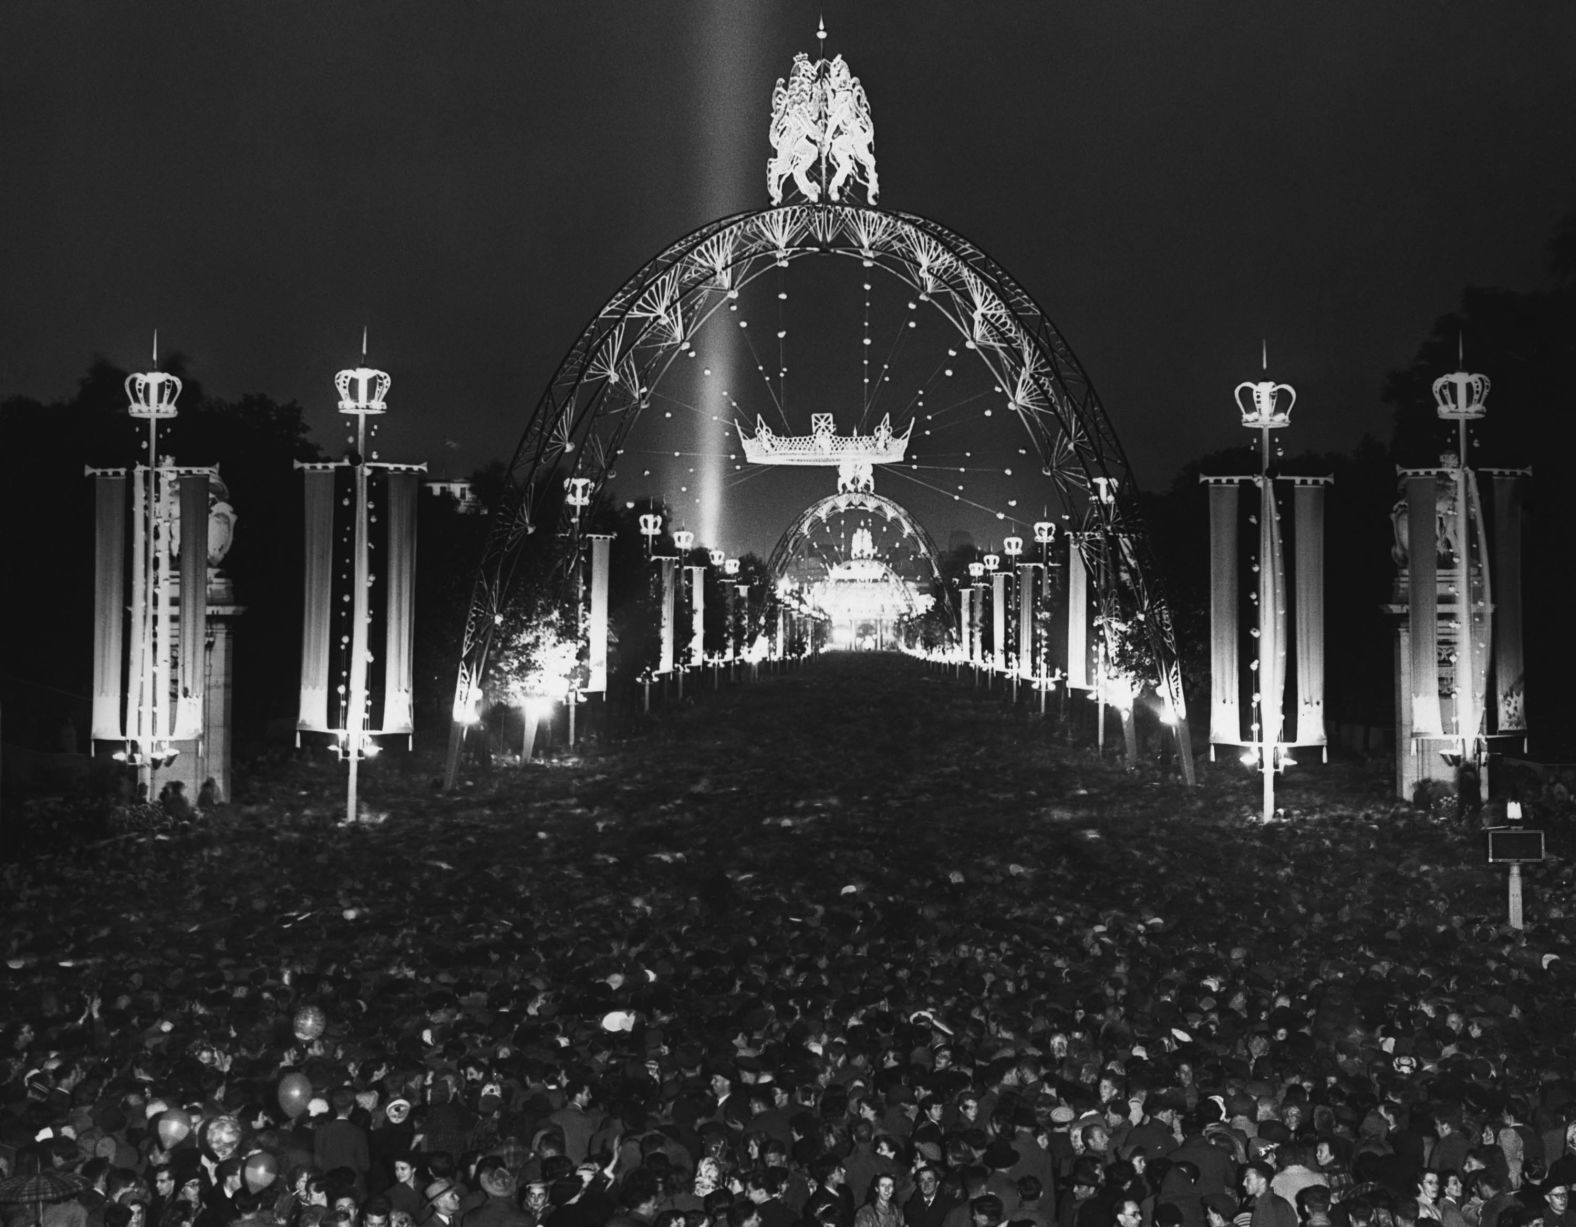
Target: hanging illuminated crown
[[821, 123], [362, 389], [1262, 410], [1460, 396], [823, 445], [152, 395]]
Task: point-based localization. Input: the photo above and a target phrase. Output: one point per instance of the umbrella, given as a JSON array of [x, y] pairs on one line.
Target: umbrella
[[41, 1188]]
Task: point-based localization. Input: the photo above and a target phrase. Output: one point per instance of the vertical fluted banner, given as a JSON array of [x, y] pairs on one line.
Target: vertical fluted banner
[[1272, 617], [1225, 677], [667, 568], [596, 682], [400, 571], [1077, 618], [1026, 618], [109, 608], [1308, 581], [998, 622], [1509, 663], [1422, 510], [317, 606], [192, 644], [697, 617]]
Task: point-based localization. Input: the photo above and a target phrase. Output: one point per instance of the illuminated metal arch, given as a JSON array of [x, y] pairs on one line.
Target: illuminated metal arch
[[791, 543], [605, 382]]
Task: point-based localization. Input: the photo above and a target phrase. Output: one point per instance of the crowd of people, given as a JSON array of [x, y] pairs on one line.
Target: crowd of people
[[810, 1096], [698, 1005]]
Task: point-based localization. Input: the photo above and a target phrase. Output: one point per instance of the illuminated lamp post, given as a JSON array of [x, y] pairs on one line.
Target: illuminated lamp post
[[683, 542], [998, 580], [730, 570], [361, 393], [1459, 398], [650, 529], [152, 398], [1263, 412], [577, 493], [717, 558], [1044, 536], [1013, 548], [976, 647]]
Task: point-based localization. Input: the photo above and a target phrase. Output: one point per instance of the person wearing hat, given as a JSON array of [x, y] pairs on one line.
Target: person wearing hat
[[499, 1209], [443, 1203], [1001, 1157], [1557, 1204], [1216, 1173]]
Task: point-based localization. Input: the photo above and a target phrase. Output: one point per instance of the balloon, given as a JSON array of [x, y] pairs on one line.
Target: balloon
[[309, 1023], [173, 1126], [295, 1091], [260, 1171]]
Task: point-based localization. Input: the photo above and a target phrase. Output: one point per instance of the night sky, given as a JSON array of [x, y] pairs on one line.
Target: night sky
[[1171, 181]]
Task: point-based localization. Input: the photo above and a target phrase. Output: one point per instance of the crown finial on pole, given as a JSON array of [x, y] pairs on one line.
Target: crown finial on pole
[[1264, 353], [155, 349], [820, 32], [363, 342]]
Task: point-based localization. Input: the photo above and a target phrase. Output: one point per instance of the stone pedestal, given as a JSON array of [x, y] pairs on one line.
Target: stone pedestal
[[1415, 760], [208, 757]]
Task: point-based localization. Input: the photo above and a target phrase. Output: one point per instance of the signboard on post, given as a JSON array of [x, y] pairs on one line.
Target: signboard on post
[[1514, 846]]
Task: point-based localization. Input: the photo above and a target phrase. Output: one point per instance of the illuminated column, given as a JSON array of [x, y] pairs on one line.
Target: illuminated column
[[998, 614], [667, 568], [697, 615], [601, 551]]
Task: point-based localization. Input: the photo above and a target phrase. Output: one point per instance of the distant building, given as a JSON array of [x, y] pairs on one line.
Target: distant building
[[457, 490]]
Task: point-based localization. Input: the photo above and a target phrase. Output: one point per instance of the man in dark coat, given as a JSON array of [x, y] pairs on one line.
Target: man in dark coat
[[929, 1205]]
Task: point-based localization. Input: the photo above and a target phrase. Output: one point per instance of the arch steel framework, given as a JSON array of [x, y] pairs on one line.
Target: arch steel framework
[[605, 381], [790, 545]]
